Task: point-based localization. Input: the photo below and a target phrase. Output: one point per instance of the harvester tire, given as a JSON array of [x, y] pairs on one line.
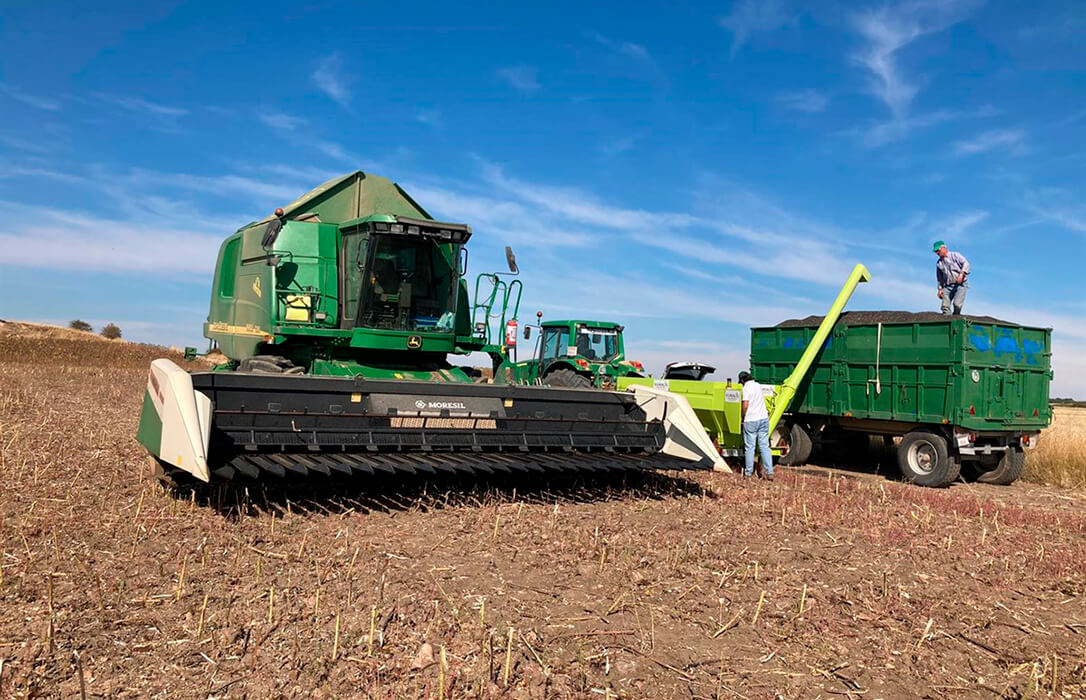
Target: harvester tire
[[924, 459], [567, 378], [799, 447], [1008, 470], [269, 364]]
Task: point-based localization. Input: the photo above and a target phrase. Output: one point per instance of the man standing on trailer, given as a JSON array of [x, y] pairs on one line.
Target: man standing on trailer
[[952, 276], [755, 427]]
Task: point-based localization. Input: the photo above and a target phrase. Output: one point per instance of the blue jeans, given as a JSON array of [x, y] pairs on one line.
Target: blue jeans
[[757, 430], [954, 296]]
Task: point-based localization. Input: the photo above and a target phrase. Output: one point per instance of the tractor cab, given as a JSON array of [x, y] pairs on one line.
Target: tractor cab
[[574, 353]]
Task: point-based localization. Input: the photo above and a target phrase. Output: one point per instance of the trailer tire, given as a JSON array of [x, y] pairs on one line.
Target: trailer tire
[[567, 378], [799, 446], [1008, 470], [924, 459]]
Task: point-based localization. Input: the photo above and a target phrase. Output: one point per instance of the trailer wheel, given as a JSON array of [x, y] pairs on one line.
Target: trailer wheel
[[794, 442], [1008, 470], [925, 460], [567, 378]]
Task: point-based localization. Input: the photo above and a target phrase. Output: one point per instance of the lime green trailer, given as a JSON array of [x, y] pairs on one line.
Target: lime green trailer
[[718, 405]]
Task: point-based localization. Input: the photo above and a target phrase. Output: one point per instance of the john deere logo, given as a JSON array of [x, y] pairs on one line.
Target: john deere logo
[[414, 342]]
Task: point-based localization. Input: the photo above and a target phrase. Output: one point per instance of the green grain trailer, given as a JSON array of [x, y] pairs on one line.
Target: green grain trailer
[[959, 391]]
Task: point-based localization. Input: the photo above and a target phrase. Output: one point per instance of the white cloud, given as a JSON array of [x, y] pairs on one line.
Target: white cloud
[[990, 140], [1057, 206], [281, 121], [633, 55], [810, 100], [898, 127], [329, 79], [140, 105], [523, 78], [888, 29], [430, 117], [748, 17], [45, 103], [959, 223], [43, 237]]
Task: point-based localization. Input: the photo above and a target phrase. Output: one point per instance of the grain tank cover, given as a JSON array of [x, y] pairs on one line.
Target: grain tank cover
[[350, 197]]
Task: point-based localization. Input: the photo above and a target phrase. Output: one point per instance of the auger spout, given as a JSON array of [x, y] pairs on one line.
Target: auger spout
[[787, 390]]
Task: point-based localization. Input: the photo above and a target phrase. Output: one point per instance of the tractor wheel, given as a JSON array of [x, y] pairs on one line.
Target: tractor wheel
[[1007, 470], [567, 378], [794, 442], [269, 364], [925, 460]]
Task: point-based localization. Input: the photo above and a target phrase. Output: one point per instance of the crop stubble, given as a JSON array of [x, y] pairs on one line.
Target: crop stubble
[[670, 587]]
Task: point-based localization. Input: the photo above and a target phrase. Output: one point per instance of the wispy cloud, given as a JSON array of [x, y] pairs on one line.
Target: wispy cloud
[[636, 56], [960, 223], [329, 79], [899, 127], [1057, 206], [45, 237], [1012, 139], [888, 29], [290, 128], [428, 116], [748, 17], [522, 77], [281, 121], [140, 105], [46, 103], [810, 100]]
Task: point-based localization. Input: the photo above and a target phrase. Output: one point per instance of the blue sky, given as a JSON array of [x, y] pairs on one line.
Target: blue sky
[[689, 169]]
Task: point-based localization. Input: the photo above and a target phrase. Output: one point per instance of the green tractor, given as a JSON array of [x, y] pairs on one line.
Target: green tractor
[[577, 354], [339, 315]]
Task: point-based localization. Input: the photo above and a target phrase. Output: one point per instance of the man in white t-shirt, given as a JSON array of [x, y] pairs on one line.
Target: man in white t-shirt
[[755, 426]]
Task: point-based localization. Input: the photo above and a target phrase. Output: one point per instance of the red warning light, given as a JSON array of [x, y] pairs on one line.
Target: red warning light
[[279, 211]]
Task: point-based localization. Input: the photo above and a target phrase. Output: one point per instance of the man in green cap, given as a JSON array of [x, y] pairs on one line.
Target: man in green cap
[[952, 276]]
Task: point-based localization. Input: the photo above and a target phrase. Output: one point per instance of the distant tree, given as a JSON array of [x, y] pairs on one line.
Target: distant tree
[[78, 325], [111, 331]]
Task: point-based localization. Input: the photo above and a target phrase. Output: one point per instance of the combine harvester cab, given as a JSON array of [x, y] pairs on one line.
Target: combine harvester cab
[[337, 316]]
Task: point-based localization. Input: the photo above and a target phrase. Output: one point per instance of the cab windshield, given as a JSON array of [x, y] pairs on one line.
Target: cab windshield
[[409, 284], [597, 344]]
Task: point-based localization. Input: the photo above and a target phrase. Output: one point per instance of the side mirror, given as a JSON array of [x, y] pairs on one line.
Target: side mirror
[[511, 260], [271, 233], [527, 332]]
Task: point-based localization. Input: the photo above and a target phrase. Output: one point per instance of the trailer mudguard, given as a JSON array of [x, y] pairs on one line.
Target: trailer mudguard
[[686, 437], [175, 425]]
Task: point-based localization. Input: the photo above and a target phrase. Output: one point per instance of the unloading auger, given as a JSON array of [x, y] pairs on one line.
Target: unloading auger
[[338, 316]]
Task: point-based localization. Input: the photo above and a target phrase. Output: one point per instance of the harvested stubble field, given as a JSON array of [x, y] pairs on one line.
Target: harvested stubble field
[[817, 585]]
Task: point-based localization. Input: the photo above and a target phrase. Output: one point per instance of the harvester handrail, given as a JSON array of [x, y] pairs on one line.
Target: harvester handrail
[[788, 387]]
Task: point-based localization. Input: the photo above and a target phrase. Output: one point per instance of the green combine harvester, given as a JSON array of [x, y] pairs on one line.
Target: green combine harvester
[[338, 316]]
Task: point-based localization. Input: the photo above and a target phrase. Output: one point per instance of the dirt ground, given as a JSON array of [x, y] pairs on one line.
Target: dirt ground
[[824, 583]]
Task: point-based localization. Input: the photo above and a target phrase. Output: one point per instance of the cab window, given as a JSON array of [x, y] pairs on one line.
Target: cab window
[[555, 342]]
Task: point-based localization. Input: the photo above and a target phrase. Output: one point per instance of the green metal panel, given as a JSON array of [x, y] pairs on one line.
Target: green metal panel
[[149, 433], [352, 196], [979, 375]]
